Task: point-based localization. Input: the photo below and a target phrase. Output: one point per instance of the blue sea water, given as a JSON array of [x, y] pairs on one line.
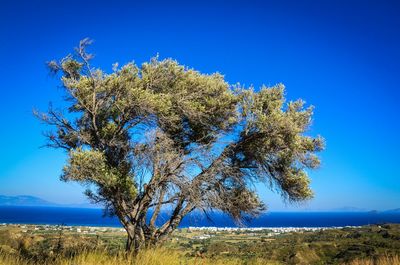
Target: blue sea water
[[94, 217]]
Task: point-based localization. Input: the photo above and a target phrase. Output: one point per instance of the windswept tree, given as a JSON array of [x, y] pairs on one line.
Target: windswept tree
[[163, 137]]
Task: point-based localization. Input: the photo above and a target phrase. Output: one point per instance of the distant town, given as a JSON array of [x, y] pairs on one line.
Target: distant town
[[93, 230]]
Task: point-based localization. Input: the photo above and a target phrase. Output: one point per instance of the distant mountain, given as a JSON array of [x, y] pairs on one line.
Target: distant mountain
[[23, 200], [27, 200]]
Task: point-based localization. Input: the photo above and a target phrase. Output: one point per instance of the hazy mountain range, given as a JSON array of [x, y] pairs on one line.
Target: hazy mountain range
[[27, 200]]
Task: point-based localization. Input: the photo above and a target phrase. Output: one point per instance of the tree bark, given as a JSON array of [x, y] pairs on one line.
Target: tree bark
[[133, 242], [129, 243]]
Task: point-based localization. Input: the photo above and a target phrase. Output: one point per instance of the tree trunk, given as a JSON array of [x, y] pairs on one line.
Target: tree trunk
[[134, 241], [141, 235], [129, 243], [134, 244]]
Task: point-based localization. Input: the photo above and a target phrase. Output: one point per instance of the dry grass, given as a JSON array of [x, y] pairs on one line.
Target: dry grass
[[148, 257], [385, 260], [11, 260], [163, 256]]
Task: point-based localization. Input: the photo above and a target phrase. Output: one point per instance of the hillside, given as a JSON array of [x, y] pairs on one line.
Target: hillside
[[90, 245]]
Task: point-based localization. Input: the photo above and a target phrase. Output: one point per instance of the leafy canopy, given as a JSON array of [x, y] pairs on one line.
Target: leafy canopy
[[161, 134]]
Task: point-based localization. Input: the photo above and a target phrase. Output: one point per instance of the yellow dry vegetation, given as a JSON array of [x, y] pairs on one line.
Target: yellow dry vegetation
[[159, 256], [163, 256], [385, 260]]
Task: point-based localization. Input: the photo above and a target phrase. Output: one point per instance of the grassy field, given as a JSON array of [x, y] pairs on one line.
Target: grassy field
[[27, 245]]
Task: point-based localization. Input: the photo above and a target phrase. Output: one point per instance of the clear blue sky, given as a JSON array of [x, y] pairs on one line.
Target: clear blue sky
[[341, 56]]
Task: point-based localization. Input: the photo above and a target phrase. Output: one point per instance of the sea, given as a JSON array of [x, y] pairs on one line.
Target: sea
[[95, 217]]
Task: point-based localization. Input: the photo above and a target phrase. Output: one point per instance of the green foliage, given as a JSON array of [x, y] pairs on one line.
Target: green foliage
[[161, 133]]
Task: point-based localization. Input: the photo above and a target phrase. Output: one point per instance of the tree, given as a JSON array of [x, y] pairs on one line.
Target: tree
[[164, 137]]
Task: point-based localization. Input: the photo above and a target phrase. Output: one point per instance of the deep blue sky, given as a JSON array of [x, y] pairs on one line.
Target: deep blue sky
[[343, 57]]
